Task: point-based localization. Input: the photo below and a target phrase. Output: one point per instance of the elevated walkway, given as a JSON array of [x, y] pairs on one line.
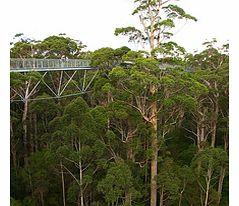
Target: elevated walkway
[[28, 65], [56, 76]]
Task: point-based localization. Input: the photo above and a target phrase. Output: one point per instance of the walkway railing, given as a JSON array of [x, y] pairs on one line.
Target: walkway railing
[[18, 65]]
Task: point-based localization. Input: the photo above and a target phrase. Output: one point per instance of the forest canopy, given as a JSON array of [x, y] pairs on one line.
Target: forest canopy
[[150, 128]]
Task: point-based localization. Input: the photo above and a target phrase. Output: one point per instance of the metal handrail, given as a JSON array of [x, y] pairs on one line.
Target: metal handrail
[[48, 63]]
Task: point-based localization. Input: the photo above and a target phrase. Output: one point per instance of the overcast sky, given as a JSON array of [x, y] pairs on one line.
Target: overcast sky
[[93, 21]]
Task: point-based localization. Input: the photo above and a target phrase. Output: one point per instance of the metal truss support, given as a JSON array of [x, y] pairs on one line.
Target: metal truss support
[[55, 84]]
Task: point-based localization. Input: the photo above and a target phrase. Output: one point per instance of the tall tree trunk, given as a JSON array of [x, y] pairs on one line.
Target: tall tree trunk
[[214, 124], [220, 184], [154, 145], [161, 197], [130, 157], [222, 171], [201, 129], [181, 194], [208, 182], [128, 198], [24, 122], [180, 199], [63, 185], [151, 40], [81, 176], [213, 135]]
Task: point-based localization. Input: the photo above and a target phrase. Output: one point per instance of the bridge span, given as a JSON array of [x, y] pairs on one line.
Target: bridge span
[[28, 65], [58, 77]]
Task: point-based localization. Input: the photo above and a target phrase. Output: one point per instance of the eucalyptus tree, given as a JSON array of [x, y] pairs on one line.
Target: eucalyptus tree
[[118, 184], [177, 92], [157, 18], [39, 178], [60, 46], [211, 117], [107, 58], [210, 160], [39, 119], [211, 66], [25, 87], [79, 150], [23, 47]]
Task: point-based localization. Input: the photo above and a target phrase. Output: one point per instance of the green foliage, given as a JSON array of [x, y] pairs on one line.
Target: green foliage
[[58, 46], [52, 47], [134, 34], [210, 157], [117, 181], [110, 135], [22, 50], [157, 18], [72, 192], [103, 58], [39, 107], [170, 49], [100, 116], [174, 11], [27, 201], [168, 179], [132, 56], [106, 134], [121, 51]]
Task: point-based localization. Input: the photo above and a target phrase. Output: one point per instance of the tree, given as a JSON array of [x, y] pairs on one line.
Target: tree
[[208, 170], [56, 47], [211, 69], [79, 135], [25, 87], [99, 149], [118, 184], [157, 18], [151, 14]]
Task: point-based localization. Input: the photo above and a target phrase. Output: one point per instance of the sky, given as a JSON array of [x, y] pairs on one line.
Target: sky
[[93, 21]]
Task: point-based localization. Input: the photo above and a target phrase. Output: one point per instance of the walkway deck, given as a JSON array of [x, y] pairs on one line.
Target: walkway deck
[[28, 65]]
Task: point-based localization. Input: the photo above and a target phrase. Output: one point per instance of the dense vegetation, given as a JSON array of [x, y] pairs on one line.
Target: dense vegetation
[[142, 135]]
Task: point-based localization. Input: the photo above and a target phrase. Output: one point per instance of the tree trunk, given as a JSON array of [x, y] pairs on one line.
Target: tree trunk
[[208, 181], [24, 124], [214, 124], [220, 184], [180, 197], [213, 136], [130, 157], [63, 185], [161, 197], [81, 177], [151, 41], [128, 198], [154, 146], [201, 129], [154, 165]]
